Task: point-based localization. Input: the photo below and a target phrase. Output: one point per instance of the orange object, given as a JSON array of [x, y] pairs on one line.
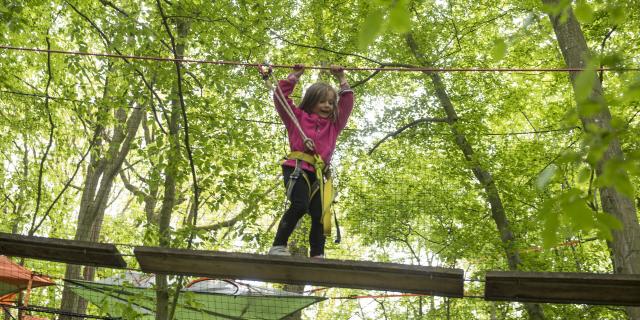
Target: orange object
[[27, 317], [15, 278], [8, 299]]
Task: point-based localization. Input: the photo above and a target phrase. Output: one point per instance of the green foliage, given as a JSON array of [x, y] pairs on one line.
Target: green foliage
[[382, 15], [371, 27], [414, 200], [399, 16], [617, 14], [499, 49], [583, 11], [571, 206], [561, 8], [545, 176], [615, 175]]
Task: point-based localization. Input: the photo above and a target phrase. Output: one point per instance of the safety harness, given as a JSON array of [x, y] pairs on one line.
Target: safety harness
[[325, 188]]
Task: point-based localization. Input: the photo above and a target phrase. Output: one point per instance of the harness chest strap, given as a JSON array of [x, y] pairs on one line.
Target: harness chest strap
[[325, 188]]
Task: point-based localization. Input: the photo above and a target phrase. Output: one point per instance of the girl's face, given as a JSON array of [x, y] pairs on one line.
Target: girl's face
[[325, 106]]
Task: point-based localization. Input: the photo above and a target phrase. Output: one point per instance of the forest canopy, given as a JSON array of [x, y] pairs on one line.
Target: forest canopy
[[486, 135]]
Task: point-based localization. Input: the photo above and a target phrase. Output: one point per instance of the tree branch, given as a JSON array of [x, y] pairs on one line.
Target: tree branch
[[530, 132], [110, 4], [602, 45], [196, 18], [109, 45], [66, 185], [243, 214], [459, 34], [324, 49], [51, 130], [405, 127], [381, 65], [182, 29], [178, 55], [133, 189]]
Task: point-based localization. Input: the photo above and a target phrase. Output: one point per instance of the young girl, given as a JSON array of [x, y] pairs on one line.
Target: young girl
[[322, 115]]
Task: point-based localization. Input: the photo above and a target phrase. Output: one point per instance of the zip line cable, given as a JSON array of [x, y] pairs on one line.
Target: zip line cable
[[247, 64]]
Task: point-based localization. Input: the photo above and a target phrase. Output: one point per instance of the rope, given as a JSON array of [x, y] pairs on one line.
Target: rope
[[60, 312], [246, 64], [400, 295], [269, 80]]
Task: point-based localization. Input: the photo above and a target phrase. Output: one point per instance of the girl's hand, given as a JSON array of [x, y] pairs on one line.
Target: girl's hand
[[310, 145], [298, 69], [338, 72]]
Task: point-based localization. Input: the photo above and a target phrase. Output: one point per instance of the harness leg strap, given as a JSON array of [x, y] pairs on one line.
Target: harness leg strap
[[324, 188], [292, 180]]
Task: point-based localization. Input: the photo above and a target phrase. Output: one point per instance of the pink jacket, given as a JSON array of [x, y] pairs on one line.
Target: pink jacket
[[322, 131]]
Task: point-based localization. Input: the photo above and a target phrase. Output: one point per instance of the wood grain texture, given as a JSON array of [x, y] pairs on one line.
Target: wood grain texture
[[61, 250], [298, 270], [564, 287]]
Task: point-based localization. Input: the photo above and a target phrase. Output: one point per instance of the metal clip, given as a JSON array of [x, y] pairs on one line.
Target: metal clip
[[266, 74]]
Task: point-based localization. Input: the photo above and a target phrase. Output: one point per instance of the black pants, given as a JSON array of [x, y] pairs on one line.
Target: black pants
[[301, 204]]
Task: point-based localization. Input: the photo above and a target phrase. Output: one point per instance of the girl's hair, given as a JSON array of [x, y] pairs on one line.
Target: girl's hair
[[315, 94]]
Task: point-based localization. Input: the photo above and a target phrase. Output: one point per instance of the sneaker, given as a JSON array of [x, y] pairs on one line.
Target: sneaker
[[320, 256], [279, 251]]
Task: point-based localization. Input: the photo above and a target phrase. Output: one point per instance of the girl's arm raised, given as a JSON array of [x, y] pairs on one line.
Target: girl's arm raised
[[286, 87], [345, 103]]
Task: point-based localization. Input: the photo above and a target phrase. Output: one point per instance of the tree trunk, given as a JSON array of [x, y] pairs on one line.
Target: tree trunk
[[168, 202], [101, 173], [484, 177], [298, 251], [171, 177], [19, 199], [626, 242]]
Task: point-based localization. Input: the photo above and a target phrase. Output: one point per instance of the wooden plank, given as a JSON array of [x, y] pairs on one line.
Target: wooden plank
[[564, 287], [299, 270], [61, 250]]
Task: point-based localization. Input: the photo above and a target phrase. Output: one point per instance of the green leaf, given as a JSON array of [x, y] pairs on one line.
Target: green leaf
[[583, 12], [609, 221], [564, 16], [499, 49], [588, 108], [617, 15], [580, 214], [585, 81], [633, 91], [370, 29], [551, 223], [557, 8], [570, 156], [612, 60], [595, 154], [545, 176], [584, 175], [614, 174], [399, 17], [618, 123]]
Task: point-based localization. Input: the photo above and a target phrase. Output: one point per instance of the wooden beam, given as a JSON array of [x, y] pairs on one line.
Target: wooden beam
[[564, 287], [61, 250], [299, 270]]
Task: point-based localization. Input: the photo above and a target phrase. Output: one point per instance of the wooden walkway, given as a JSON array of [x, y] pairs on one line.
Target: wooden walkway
[[564, 287], [298, 270], [61, 250], [544, 287]]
